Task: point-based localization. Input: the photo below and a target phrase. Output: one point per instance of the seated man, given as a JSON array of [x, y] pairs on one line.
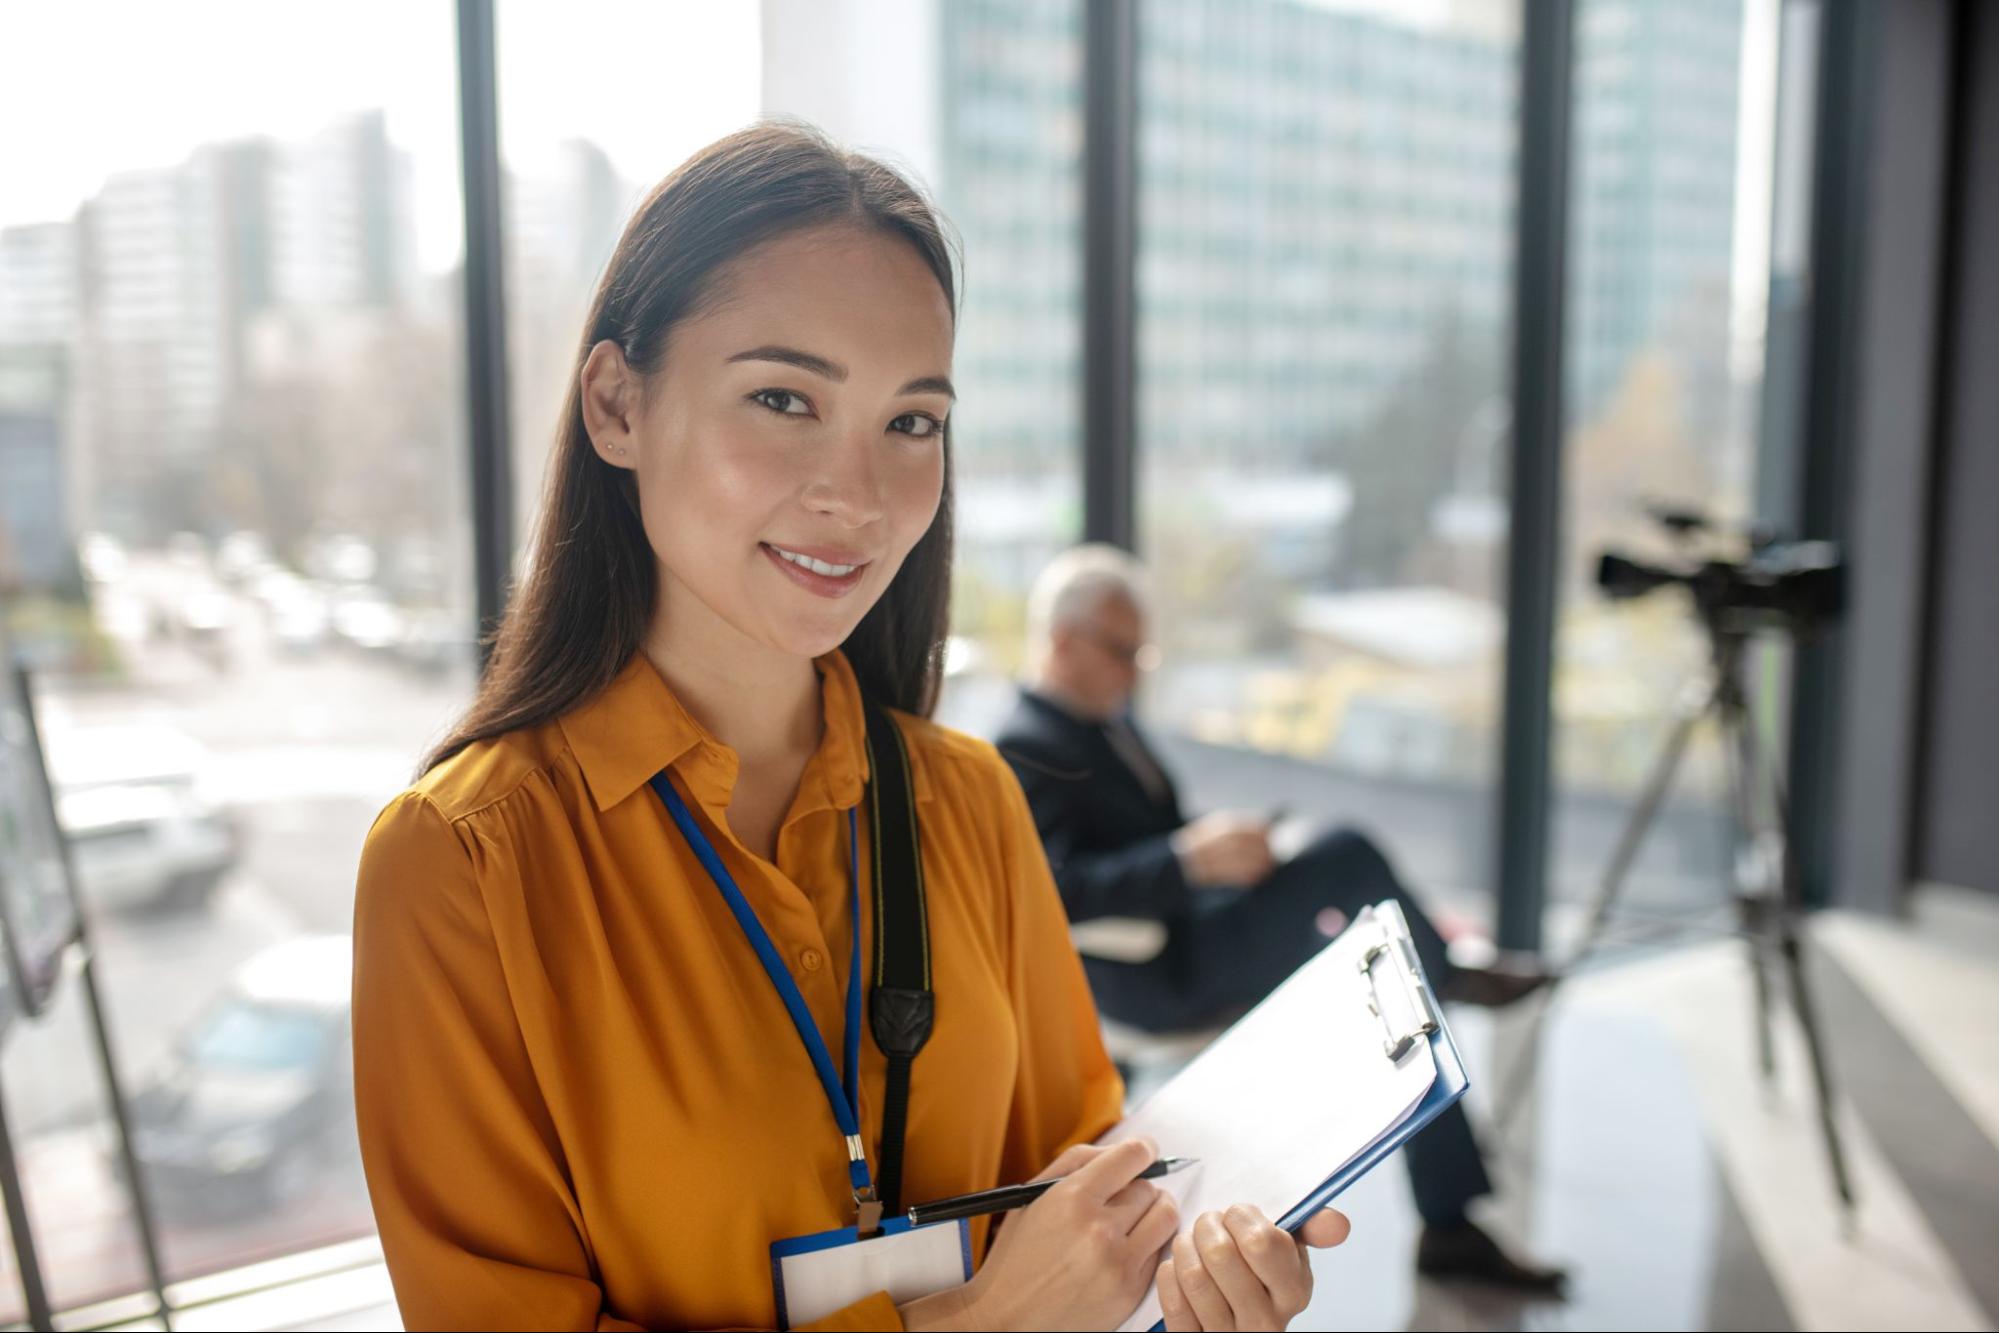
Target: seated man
[[1237, 921]]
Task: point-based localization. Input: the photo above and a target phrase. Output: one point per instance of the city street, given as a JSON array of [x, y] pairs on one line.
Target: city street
[[303, 750]]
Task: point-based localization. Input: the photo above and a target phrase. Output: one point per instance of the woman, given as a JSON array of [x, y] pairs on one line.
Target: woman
[[582, 1103]]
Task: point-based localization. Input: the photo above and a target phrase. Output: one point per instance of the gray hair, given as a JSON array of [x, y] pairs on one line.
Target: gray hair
[[1077, 584]]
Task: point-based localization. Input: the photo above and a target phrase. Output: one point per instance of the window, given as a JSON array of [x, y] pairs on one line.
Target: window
[[587, 127], [980, 101], [1668, 270], [1324, 250], [235, 548], [235, 534]]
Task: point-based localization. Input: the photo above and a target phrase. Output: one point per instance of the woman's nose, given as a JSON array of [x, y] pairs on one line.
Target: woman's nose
[[847, 487]]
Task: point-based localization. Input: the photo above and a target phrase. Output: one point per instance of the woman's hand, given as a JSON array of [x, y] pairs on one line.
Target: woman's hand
[[1078, 1257], [1237, 1270]]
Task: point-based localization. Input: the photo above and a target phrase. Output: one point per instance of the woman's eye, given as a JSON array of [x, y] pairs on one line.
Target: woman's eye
[[783, 401], [916, 425]]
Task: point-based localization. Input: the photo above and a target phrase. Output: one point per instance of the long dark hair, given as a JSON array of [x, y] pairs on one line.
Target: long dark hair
[[582, 608]]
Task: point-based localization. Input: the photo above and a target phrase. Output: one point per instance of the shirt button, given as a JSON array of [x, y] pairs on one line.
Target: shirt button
[[810, 960]]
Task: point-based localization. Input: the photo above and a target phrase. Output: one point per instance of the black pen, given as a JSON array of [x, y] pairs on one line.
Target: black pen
[[1008, 1197]]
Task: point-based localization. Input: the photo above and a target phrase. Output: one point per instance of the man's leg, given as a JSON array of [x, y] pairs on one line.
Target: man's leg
[[1347, 871], [1237, 945], [1344, 870], [1446, 1169]]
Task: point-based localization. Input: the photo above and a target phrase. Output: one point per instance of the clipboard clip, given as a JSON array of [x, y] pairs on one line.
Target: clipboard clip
[[1399, 997]]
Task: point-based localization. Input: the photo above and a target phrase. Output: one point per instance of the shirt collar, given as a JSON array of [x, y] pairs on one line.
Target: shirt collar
[[1050, 703], [636, 726]]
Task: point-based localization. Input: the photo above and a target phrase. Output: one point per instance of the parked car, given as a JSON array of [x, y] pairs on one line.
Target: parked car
[[143, 830], [297, 611], [254, 1106]]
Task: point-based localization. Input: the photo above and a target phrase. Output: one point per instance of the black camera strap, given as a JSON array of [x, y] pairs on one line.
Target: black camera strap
[[901, 1005]]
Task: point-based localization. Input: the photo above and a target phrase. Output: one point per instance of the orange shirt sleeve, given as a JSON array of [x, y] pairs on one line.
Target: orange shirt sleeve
[[1067, 1090], [478, 1225]]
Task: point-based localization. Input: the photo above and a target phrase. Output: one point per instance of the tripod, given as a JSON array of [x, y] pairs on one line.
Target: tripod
[[1768, 895]]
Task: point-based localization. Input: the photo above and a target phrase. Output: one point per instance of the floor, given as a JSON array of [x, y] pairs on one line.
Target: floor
[[1684, 1192], [1651, 1157]]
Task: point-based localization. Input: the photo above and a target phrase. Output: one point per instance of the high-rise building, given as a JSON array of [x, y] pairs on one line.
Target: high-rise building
[[1651, 230], [563, 216], [163, 283], [39, 285], [1323, 198], [36, 550], [981, 102], [342, 220], [154, 353], [1325, 241], [39, 296], [1010, 177]]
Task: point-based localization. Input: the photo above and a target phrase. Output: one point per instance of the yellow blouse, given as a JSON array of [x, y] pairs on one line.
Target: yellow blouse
[[582, 1103]]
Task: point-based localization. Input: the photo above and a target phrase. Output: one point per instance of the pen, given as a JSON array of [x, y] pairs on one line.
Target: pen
[[1018, 1196]]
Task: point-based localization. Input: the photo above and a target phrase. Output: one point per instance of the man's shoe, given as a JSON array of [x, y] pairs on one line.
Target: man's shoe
[[1465, 1253], [1508, 979]]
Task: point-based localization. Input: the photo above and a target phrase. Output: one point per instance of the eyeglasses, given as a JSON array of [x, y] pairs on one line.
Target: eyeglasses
[[1143, 656]]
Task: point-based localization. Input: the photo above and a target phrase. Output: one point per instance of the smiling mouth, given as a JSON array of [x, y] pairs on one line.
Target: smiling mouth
[[827, 568], [825, 577]]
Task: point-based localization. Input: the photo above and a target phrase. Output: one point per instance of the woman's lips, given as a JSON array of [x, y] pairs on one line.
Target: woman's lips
[[823, 585]]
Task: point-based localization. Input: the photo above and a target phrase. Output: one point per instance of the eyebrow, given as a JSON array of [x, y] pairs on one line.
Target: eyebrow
[[834, 371]]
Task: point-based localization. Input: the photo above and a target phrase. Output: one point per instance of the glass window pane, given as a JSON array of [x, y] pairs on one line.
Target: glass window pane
[[586, 128], [235, 548], [1009, 126], [1324, 259], [1669, 269], [980, 101]]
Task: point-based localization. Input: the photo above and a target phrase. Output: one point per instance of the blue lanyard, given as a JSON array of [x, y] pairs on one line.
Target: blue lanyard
[[843, 1092]]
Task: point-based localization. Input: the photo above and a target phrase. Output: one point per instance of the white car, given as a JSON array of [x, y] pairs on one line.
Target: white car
[[254, 1107], [142, 830]]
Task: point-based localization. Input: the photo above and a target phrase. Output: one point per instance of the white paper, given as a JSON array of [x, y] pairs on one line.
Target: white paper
[[1281, 1101]]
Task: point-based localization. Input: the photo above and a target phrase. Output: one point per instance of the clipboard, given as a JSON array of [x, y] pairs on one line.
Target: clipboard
[[1337, 1068]]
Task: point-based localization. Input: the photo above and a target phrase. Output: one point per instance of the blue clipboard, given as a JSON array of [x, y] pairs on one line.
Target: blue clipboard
[[1451, 1083], [1410, 1014]]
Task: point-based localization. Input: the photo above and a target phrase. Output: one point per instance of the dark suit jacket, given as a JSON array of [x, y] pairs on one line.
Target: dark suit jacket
[[1105, 834]]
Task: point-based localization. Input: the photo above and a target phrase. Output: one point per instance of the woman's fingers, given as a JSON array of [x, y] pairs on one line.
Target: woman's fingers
[[1129, 1204], [1072, 1159], [1156, 1229], [1256, 1302], [1274, 1257], [1112, 1169], [1211, 1309], [1173, 1305], [1326, 1228], [1250, 1299]]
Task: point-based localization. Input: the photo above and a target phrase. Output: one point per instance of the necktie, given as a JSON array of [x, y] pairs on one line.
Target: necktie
[[1132, 751]]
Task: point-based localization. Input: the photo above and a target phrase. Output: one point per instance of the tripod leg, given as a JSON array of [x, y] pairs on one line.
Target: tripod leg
[[1753, 889], [1628, 842], [1637, 826], [1821, 1071], [1789, 912], [1759, 972]]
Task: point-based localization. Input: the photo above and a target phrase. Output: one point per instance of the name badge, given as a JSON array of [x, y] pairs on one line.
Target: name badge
[[815, 1275]]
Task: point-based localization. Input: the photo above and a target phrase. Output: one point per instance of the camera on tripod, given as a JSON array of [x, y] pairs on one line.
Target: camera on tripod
[[1740, 582], [1768, 584]]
